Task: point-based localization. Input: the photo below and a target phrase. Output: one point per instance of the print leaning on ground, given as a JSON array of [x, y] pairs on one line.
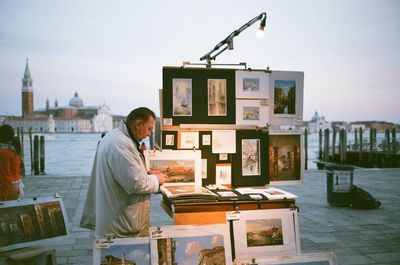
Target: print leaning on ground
[[264, 232]]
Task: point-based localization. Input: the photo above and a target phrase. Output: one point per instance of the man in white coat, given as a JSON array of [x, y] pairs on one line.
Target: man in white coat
[[122, 183]]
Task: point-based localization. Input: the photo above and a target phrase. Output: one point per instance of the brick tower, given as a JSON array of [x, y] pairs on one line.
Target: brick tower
[[27, 92]]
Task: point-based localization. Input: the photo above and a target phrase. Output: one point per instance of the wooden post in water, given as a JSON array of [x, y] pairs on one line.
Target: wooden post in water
[[320, 145], [36, 155], [42, 155], [305, 149], [22, 153], [30, 147], [387, 141], [394, 144], [371, 146], [375, 141], [342, 146], [326, 145], [355, 140], [361, 146], [333, 142]]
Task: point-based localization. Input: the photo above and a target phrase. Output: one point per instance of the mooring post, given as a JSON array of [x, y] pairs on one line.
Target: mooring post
[[355, 146], [361, 146], [42, 154], [30, 148], [333, 142], [305, 149], [394, 143], [36, 155], [326, 145], [371, 146], [342, 146], [320, 145]]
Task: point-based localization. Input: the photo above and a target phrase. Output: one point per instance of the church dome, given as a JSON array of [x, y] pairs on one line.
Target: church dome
[[76, 101]]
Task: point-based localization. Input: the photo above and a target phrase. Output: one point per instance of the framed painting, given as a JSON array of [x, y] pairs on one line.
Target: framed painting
[[223, 174], [181, 166], [286, 98], [188, 140], [217, 100], [250, 162], [182, 96], [223, 141], [28, 222], [251, 112], [252, 84], [286, 157], [251, 157], [169, 140], [190, 244], [262, 233], [122, 251]]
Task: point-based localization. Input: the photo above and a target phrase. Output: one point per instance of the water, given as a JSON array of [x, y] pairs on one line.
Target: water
[[72, 154]]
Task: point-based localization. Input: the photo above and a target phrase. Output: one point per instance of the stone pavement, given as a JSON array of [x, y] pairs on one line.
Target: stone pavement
[[356, 236]]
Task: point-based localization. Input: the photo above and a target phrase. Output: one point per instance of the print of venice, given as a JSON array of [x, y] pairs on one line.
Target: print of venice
[[176, 170], [265, 232]]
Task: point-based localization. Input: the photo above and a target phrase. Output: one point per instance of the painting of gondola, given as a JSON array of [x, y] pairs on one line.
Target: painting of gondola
[[182, 97]]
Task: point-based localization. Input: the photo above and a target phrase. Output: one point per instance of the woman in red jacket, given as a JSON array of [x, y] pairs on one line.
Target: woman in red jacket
[[10, 176]]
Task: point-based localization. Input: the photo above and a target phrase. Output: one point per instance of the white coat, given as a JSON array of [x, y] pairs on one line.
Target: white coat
[[123, 188]]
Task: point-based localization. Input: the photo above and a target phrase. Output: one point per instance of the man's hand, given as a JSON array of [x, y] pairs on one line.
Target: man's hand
[[161, 176]]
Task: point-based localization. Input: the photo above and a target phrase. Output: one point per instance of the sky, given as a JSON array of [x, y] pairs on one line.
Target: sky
[[113, 51]]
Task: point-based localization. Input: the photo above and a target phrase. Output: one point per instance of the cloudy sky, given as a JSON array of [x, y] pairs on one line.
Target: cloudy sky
[[114, 51]]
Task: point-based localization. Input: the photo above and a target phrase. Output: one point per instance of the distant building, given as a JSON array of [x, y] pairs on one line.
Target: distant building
[[72, 118], [317, 123]]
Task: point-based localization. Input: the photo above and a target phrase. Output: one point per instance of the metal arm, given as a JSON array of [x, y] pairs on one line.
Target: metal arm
[[228, 41]]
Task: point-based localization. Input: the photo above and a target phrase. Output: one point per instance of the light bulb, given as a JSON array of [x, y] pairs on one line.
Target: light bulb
[[260, 33]]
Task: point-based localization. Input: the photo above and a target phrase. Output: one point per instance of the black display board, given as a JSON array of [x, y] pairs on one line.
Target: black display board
[[199, 95], [239, 175]]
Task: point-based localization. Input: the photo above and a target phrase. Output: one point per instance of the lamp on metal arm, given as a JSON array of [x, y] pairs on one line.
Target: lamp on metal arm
[[227, 43]]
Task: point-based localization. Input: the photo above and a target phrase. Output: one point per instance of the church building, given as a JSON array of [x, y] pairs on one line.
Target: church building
[[76, 117]]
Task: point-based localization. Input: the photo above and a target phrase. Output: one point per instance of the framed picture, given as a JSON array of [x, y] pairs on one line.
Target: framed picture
[[286, 98], [251, 157], [223, 174], [181, 166], [251, 112], [206, 139], [182, 96], [285, 157], [217, 97], [212, 94], [262, 233], [190, 244], [223, 141], [322, 258], [252, 84], [169, 140], [130, 250], [203, 169], [188, 140], [211, 158], [250, 162], [26, 222]]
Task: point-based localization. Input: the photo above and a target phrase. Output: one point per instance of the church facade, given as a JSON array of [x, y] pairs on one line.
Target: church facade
[[72, 118]]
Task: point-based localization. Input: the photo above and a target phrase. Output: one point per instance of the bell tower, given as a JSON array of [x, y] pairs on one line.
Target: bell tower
[[27, 92]]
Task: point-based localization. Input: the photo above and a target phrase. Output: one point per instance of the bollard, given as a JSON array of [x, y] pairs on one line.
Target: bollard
[[36, 155], [333, 142], [355, 147], [42, 155], [305, 149]]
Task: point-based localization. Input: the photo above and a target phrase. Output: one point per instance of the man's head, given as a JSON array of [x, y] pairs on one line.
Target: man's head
[[6, 133], [141, 121]]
